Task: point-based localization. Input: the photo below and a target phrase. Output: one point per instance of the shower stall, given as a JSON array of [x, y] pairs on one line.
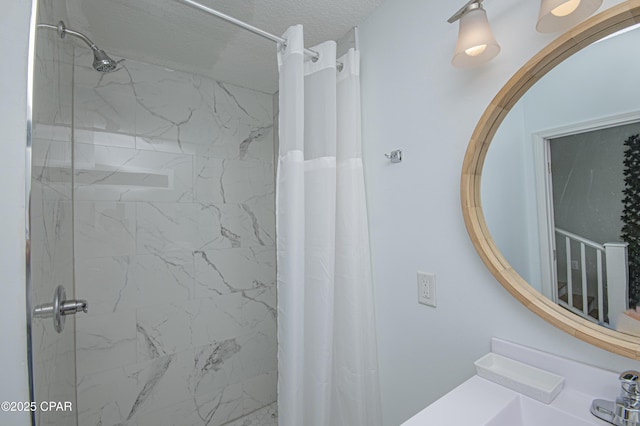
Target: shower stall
[[152, 199]]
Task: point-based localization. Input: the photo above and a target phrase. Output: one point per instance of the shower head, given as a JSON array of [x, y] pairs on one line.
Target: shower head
[[102, 62]]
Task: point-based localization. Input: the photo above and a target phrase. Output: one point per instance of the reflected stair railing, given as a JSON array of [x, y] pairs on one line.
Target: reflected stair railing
[[610, 274]]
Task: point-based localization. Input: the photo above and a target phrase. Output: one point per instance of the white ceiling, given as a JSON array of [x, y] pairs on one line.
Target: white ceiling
[[171, 34]]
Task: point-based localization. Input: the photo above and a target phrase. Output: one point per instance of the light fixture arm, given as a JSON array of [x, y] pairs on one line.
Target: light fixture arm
[[470, 5]]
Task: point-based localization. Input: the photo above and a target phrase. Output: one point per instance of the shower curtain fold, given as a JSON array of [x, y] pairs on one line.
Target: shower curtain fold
[[327, 355]]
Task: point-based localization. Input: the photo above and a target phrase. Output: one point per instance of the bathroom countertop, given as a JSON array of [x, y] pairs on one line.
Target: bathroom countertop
[[478, 401]]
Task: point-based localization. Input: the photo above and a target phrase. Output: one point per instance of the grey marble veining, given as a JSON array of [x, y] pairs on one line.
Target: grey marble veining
[[242, 141], [247, 144], [105, 341], [248, 179], [173, 104], [167, 329], [175, 242], [51, 85], [234, 270], [120, 283], [206, 385], [212, 410], [166, 227], [242, 104], [105, 229], [173, 227], [199, 321], [210, 366], [150, 384], [120, 395], [266, 416], [218, 408], [102, 109]]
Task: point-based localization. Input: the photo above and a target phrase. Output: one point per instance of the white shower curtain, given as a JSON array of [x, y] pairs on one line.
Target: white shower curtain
[[327, 355]]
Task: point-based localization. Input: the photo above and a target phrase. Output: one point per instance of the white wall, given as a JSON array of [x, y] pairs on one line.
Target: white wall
[[602, 79], [509, 203], [413, 99], [14, 38]]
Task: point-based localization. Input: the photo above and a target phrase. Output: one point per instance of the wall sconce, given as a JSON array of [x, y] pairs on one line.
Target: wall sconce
[[476, 43], [559, 15]]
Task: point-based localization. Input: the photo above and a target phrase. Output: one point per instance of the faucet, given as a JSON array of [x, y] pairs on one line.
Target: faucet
[[625, 411]]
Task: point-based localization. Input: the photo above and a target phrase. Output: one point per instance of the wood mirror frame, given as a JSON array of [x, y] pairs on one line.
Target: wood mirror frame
[[611, 20]]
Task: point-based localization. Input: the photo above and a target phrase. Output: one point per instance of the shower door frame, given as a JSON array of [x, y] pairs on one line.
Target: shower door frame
[[35, 407], [31, 60]]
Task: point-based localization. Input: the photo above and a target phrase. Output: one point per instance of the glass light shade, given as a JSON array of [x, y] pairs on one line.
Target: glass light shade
[[559, 15], [476, 43]]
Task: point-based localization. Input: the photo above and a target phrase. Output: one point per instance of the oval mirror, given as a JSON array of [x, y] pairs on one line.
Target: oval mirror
[[575, 271]]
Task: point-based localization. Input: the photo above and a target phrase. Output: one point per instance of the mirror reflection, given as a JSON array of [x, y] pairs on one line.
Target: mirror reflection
[[561, 184]]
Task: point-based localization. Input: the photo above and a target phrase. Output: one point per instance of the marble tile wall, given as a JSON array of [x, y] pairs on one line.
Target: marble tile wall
[[51, 218], [175, 247]]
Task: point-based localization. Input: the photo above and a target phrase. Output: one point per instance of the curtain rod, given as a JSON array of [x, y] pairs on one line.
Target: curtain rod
[[313, 54]]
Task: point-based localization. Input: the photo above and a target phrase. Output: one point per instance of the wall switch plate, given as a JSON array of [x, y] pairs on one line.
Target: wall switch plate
[[574, 265], [427, 289]]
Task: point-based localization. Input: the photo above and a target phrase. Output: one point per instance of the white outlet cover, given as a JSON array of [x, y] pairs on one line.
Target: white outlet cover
[[426, 288]]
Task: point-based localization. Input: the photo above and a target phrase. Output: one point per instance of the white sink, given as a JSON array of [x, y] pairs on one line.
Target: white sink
[[522, 411], [482, 402], [489, 404]]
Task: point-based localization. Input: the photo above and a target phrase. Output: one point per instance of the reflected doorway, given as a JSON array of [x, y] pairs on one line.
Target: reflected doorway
[[583, 196]]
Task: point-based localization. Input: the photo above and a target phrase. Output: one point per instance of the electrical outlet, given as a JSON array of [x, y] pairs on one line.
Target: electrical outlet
[[427, 289], [574, 265]]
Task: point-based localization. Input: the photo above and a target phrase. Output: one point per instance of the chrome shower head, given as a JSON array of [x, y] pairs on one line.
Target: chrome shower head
[[102, 62]]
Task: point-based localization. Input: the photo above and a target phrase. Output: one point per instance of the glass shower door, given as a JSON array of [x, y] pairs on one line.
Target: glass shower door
[[52, 335]]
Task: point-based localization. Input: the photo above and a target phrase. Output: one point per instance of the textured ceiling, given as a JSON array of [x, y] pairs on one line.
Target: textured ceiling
[[171, 34]]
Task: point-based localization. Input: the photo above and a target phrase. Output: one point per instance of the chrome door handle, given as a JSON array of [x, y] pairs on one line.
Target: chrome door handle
[[59, 308], [73, 306]]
